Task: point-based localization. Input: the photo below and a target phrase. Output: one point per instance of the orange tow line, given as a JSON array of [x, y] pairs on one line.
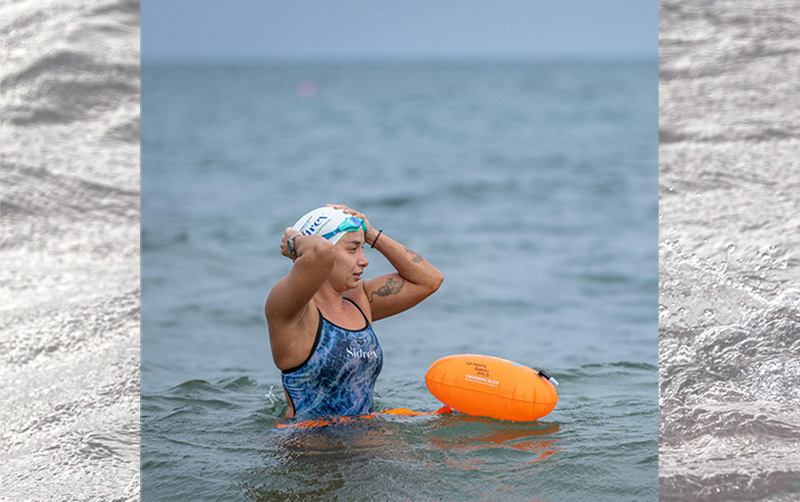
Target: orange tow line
[[339, 420]]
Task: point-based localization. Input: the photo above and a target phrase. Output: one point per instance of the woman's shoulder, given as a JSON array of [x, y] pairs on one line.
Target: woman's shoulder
[[280, 310], [358, 296]]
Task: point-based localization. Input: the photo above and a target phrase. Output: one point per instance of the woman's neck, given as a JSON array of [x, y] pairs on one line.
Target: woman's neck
[[329, 298]]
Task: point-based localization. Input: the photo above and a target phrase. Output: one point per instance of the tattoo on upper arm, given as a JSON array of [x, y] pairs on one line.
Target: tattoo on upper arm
[[415, 258], [392, 287]]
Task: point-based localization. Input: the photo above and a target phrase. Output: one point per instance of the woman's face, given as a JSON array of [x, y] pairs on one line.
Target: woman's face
[[350, 261]]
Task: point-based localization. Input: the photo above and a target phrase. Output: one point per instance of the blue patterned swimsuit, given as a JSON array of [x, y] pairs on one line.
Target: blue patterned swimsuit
[[338, 377]]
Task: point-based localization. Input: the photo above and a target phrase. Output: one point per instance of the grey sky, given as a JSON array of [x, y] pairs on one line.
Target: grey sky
[[285, 29]]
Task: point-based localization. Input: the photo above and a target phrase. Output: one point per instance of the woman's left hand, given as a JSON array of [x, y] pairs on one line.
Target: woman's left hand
[[370, 234]]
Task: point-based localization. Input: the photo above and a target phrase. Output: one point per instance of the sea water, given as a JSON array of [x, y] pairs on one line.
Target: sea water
[[530, 185], [729, 264], [69, 250]]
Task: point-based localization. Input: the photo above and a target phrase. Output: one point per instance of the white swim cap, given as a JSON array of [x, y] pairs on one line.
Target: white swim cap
[[328, 222]]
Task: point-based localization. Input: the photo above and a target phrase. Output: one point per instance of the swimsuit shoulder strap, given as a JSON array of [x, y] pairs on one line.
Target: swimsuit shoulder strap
[[359, 309]]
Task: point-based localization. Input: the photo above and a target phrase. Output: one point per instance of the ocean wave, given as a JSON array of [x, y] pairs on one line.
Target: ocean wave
[[69, 331], [702, 133], [693, 422], [776, 486], [242, 400], [37, 191], [69, 342], [712, 38], [729, 379], [72, 79], [126, 128]]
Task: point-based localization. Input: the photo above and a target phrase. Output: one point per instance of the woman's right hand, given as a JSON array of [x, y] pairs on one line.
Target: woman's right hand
[[290, 232]]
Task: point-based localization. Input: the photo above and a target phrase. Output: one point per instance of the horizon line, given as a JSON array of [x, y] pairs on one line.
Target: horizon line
[[395, 58]]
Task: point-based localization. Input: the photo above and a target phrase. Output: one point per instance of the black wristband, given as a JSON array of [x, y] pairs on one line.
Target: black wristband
[[376, 239]]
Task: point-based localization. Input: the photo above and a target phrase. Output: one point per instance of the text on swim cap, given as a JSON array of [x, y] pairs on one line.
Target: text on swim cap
[[316, 225]]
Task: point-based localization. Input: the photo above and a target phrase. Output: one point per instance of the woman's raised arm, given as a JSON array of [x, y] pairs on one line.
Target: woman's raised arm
[[415, 280], [313, 262]]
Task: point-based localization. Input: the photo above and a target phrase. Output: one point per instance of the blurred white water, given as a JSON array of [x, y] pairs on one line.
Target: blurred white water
[[728, 255], [69, 245]]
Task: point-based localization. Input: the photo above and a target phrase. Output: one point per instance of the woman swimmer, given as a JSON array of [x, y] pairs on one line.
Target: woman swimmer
[[320, 315]]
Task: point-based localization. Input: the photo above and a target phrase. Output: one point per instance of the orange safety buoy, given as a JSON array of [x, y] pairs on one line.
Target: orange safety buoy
[[486, 386]]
